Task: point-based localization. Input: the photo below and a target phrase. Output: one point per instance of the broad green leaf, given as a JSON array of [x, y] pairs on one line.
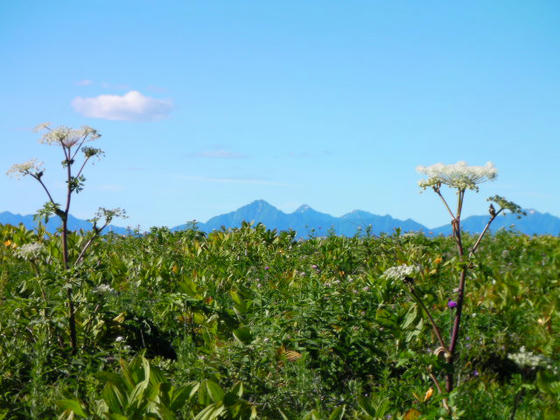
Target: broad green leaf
[[72, 405], [243, 335], [338, 413]]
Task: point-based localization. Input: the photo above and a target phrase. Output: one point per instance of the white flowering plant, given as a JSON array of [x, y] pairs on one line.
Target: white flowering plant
[[72, 142], [459, 177]]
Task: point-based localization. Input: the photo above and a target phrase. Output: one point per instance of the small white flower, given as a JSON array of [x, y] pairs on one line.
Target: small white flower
[[119, 339], [103, 288], [400, 272], [458, 175], [526, 358], [42, 126], [18, 170], [29, 251]]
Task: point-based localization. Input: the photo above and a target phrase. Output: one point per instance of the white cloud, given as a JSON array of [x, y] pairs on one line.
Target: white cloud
[[133, 106], [84, 82]]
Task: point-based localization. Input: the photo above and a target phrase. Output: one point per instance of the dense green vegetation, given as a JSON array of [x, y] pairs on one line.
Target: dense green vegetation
[[254, 323]]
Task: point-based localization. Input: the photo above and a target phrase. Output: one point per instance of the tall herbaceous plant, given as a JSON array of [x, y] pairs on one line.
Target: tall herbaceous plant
[[458, 177], [76, 154]]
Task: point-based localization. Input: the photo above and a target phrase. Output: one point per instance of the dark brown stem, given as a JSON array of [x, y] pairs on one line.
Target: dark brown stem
[[438, 192], [72, 314], [82, 168], [44, 187], [460, 296], [81, 143], [436, 383], [97, 231], [477, 243]]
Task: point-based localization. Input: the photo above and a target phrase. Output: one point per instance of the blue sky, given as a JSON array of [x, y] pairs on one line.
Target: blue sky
[[206, 106]]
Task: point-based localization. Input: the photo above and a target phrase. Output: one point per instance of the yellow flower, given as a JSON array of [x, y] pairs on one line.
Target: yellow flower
[[7, 243], [429, 393]]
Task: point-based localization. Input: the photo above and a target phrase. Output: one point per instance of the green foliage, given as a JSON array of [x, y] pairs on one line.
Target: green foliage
[[251, 323]]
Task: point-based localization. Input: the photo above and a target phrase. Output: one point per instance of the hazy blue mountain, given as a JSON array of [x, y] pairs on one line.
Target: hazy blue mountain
[[534, 223], [306, 220], [7, 218], [349, 223]]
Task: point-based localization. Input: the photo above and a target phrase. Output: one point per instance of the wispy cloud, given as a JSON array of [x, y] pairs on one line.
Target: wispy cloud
[[85, 82], [132, 106], [232, 180], [217, 154]]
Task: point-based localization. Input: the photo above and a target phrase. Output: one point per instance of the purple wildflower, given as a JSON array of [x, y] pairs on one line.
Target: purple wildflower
[[451, 304], [267, 268], [475, 373]]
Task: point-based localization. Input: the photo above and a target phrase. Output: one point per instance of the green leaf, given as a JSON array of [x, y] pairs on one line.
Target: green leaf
[[243, 335], [238, 389], [338, 413], [116, 416], [214, 390], [72, 405], [179, 398], [365, 406], [211, 412], [113, 398], [411, 315]]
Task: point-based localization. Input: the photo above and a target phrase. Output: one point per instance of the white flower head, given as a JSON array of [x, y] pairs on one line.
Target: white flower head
[[31, 167], [525, 358], [30, 251], [458, 175], [42, 126], [103, 288], [401, 272], [68, 137]]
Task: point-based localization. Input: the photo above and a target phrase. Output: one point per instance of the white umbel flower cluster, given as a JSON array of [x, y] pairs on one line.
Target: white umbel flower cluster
[[103, 288], [30, 251], [400, 272], [18, 170], [528, 359], [458, 175], [67, 136]]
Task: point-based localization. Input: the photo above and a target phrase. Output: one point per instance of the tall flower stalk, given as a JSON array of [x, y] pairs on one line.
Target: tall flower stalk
[[71, 141], [461, 178]]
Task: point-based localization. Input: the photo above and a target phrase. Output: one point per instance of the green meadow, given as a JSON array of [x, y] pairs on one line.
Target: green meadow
[[253, 323]]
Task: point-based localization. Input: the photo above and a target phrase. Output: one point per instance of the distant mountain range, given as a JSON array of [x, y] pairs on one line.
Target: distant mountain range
[[306, 221], [7, 218]]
